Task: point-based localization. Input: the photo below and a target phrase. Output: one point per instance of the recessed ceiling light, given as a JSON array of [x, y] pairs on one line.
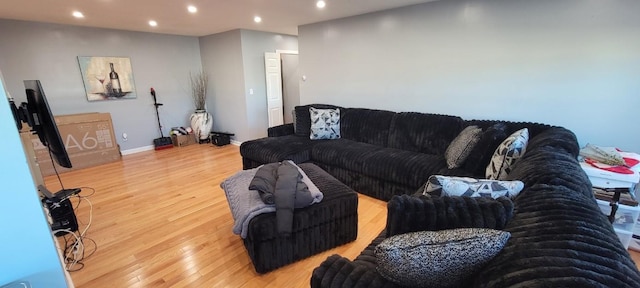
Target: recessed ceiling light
[[192, 9], [257, 19], [77, 14], [320, 4], [153, 23]]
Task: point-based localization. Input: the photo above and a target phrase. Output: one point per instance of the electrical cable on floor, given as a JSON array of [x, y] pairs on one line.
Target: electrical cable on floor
[[75, 250]]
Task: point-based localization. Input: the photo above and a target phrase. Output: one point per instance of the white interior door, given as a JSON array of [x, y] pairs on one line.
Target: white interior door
[[274, 88]]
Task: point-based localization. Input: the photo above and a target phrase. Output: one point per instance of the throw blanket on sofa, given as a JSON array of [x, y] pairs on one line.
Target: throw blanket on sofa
[[246, 204]]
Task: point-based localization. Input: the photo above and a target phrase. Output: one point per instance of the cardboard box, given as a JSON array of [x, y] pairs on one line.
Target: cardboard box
[[88, 138], [183, 140], [82, 160]]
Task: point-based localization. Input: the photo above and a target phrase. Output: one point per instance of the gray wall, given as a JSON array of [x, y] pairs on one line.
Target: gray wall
[[48, 52], [254, 45], [290, 85], [222, 60], [235, 63], [573, 63]]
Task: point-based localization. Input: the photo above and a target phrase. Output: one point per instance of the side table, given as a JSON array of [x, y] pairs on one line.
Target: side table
[[624, 218], [624, 221]]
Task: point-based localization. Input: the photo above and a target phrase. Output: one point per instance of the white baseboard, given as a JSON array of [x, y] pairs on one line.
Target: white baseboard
[[151, 147], [137, 150]]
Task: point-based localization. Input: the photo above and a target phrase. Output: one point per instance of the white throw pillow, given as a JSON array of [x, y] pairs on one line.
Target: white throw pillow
[[464, 186], [325, 123], [507, 153]]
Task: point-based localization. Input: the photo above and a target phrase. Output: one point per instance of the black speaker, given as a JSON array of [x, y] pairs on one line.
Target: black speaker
[[62, 215], [220, 138]]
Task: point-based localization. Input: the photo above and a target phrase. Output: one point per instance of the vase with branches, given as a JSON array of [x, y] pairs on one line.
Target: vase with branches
[[201, 120], [199, 81]]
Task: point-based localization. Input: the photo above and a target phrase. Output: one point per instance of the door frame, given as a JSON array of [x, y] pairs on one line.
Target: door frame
[[279, 52]]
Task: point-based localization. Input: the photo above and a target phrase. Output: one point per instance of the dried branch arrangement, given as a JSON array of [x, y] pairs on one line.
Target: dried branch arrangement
[[199, 82]]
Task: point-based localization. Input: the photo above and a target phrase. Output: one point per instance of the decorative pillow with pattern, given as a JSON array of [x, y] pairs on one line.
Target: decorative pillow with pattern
[[445, 258], [438, 185], [325, 123], [509, 151], [460, 148]]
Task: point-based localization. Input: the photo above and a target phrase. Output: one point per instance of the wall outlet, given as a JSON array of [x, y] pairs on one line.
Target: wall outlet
[[125, 137]]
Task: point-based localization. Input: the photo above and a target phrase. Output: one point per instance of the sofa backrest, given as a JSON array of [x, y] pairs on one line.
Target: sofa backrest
[[494, 133], [551, 161], [366, 125], [423, 132], [534, 128], [302, 118]]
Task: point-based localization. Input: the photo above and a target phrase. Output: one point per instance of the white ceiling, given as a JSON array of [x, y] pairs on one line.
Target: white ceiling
[[213, 16]]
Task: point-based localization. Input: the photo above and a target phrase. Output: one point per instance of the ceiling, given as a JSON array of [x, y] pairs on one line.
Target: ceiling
[[213, 16]]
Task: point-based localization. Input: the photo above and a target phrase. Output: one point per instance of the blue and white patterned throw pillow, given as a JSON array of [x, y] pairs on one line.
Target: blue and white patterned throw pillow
[[325, 123], [509, 151], [462, 186], [442, 258]]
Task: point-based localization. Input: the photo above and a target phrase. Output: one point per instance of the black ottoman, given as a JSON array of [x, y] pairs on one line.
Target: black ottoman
[[319, 227]]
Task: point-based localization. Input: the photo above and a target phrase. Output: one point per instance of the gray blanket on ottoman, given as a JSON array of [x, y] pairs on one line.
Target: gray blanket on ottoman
[[246, 204]]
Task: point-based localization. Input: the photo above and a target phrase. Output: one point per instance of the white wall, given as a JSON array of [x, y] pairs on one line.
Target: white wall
[[48, 52], [254, 45], [573, 63], [222, 60], [234, 61], [26, 245]]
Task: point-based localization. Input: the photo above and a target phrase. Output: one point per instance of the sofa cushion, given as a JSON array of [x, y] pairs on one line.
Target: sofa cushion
[[507, 153], [444, 258], [409, 213], [325, 123], [392, 165], [344, 153], [481, 154], [424, 133], [274, 149], [439, 185], [403, 167], [461, 146], [563, 235], [302, 125], [366, 125]]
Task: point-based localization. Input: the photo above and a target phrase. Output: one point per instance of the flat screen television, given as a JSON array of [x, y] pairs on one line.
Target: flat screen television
[[41, 120]]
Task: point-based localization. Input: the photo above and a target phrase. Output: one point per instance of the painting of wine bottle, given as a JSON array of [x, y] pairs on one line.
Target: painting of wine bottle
[[107, 78]]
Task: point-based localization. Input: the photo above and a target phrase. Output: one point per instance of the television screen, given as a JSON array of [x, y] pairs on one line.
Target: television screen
[[42, 122]]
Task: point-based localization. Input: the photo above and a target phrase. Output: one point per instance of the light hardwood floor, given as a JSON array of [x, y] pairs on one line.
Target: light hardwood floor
[[160, 219]]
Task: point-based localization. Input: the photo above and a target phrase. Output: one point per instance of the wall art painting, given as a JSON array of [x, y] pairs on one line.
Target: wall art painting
[[107, 78]]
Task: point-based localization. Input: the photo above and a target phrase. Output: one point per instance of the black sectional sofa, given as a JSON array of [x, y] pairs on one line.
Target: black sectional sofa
[[559, 237], [380, 153]]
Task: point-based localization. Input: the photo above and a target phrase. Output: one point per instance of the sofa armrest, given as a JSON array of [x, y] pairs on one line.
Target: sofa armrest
[[280, 130], [407, 213], [337, 271]]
